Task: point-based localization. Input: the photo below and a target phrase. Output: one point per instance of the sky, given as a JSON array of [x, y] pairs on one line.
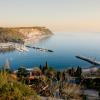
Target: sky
[[58, 15]]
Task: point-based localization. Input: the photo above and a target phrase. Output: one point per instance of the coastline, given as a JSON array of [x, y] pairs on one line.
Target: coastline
[[35, 39], [19, 46], [22, 34]]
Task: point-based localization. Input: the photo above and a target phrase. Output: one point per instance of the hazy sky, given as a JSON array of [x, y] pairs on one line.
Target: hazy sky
[[58, 15]]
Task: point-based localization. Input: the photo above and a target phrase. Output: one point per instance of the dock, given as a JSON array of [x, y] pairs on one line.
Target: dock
[[21, 47], [89, 60], [41, 49]]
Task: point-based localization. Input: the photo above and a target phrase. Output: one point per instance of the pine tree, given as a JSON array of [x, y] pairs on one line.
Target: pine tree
[[78, 72], [58, 75], [72, 71], [40, 67], [46, 65], [63, 76]]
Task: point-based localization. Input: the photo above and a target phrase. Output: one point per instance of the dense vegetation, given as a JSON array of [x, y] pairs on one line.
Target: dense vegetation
[[11, 89], [45, 81]]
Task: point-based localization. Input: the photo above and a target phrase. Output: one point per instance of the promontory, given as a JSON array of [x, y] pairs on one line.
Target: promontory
[[23, 34]]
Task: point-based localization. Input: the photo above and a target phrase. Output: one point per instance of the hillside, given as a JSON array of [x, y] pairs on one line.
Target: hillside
[[21, 34]]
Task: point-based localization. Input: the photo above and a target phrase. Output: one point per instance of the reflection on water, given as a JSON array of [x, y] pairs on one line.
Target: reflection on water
[[65, 46]]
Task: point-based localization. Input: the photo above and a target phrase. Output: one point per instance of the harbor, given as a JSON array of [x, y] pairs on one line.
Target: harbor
[[21, 47], [11, 45]]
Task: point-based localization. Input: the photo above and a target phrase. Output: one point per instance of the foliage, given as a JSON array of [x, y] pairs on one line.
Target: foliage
[[58, 75], [11, 89], [78, 72], [91, 83], [51, 73], [71, 71], [45, 68], [71, 91], [22, 73], [75, 73], [38, 84]]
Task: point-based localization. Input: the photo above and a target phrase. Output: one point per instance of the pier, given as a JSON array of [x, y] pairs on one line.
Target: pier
[[89, 60], [21, 47], [41, 49]]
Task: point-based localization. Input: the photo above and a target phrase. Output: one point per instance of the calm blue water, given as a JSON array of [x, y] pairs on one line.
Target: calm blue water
[[65, 46]]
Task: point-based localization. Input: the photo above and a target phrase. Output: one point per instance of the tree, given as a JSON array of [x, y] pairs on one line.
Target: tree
[[22, 73], [78, 72], [71, 71], [51, 72], [63, 76], [45, 68], [46, 65], [40, 67], [58, 75]]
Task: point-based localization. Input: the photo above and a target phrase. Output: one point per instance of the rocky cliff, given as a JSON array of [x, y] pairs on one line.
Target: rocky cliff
[[23, 34]]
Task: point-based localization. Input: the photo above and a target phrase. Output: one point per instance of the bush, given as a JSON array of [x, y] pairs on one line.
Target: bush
[[11, 89]]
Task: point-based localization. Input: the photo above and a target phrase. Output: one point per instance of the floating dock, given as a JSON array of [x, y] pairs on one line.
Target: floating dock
[[90, 60]]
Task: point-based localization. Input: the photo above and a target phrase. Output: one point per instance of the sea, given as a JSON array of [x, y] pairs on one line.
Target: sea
[[66, 45]]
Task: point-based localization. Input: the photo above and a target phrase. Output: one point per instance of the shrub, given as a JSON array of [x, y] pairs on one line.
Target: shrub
[[11, 89]]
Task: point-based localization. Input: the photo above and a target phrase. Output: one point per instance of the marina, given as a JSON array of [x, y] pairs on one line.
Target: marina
[[21, 47], [16, 46]]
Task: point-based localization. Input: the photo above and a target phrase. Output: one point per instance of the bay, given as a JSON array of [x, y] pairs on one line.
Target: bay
[[65, 46]]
